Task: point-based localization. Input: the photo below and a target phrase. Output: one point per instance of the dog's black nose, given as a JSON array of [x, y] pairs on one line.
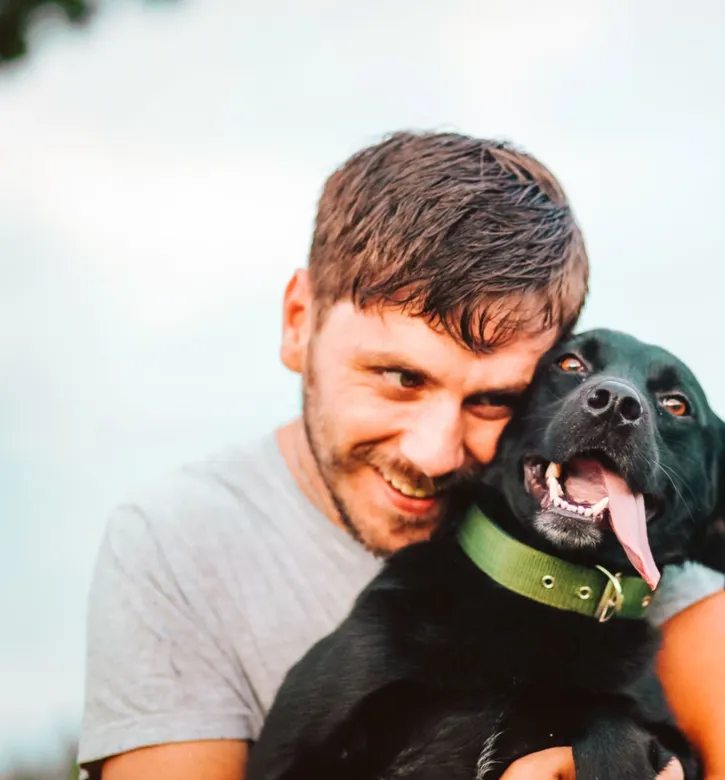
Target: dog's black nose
[[612, 399]]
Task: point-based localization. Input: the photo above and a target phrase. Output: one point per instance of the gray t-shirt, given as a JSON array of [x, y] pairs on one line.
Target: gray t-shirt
[[210, 587]]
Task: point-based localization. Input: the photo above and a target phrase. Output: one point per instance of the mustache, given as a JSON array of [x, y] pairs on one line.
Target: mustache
[[368, 455]]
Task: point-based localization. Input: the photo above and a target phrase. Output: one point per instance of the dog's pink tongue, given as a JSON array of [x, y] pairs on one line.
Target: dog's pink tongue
[[629, 523]]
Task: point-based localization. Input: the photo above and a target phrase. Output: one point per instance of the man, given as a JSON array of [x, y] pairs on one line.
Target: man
[[442, 267]]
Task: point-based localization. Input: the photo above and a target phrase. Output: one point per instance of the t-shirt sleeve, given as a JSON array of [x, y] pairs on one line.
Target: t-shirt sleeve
[[158, 667], [682, 586]]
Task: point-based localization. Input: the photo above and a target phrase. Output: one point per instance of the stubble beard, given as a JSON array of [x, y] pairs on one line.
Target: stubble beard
[[332, 465]]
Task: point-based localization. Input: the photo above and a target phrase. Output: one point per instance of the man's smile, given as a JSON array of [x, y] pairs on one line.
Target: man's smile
[[407, 488], [405, 497]]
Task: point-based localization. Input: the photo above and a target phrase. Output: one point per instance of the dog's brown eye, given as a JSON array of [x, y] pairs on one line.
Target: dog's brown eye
[[676, 405], [572, 364]]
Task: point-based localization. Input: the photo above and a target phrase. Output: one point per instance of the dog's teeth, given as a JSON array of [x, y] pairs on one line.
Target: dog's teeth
[[600, 506], [554, 489], [553, 470], [577, 509]]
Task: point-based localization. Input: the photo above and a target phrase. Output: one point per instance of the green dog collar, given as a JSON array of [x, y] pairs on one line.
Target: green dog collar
[[535, 575]]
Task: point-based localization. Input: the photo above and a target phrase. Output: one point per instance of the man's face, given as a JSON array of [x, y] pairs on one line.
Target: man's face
[[397, 413]]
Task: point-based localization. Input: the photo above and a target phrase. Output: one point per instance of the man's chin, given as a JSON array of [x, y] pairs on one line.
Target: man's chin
[[413, 533], [383, 538], [389, 520]]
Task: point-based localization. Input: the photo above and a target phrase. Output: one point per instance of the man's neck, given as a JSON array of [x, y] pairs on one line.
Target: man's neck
[[296, 451]]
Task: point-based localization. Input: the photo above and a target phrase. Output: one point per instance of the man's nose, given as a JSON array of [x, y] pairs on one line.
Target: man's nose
[[434, 444]]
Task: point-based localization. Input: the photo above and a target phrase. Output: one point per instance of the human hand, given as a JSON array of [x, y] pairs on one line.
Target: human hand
[[558, 764]]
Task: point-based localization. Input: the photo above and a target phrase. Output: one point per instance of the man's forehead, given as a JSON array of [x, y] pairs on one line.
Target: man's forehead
[[393, 321], [515, 359]]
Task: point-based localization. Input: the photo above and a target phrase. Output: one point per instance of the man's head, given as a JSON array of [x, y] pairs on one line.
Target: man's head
[[441, 268]]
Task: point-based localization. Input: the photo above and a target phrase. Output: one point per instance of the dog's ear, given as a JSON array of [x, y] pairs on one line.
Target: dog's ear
[[711, 549], [710, 542]]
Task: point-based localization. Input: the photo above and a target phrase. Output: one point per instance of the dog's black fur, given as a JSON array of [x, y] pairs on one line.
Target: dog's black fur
[[439, 673]]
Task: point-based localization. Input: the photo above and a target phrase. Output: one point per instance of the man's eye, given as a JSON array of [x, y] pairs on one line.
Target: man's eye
[[493, 406], [494, 400], [408, 380]]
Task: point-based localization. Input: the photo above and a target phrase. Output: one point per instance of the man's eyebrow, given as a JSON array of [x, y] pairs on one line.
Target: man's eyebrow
[[515, 389], [503, 394]]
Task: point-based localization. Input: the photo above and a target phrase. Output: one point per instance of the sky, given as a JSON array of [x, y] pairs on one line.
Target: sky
[[159, 173]]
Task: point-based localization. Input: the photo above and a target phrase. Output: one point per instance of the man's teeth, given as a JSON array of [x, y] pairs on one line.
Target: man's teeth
[[556, 495], [405, 488]]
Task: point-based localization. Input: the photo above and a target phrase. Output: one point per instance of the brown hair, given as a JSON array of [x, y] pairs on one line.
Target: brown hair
[[474, 235]]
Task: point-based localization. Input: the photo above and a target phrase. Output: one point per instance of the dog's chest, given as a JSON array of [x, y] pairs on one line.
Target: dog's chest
[[499, 641]]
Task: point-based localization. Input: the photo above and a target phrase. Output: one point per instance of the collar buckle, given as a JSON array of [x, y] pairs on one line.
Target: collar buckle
[[612, 599]]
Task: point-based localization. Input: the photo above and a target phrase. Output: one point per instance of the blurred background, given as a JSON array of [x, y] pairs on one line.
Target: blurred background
[[159, 171]]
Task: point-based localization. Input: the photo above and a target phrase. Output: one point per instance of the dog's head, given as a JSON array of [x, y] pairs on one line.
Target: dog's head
[[616, 457]]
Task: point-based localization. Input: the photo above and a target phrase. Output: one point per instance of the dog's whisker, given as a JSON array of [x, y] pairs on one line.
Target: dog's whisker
[[663, 469]]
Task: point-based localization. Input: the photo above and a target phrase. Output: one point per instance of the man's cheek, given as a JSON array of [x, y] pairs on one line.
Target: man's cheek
[[484, 440], [373, 417]]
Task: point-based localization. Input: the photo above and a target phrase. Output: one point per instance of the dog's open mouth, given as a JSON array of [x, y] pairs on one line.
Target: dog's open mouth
[[589, 489]]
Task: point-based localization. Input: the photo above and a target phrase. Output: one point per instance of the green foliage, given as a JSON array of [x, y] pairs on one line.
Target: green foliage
[[16, 17], [16, 21]]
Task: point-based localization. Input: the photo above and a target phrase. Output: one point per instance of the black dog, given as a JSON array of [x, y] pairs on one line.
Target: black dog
[[494, 641]]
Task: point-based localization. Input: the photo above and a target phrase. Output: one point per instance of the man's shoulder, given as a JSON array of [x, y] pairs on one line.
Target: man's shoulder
[[228, 494], [682, 586]]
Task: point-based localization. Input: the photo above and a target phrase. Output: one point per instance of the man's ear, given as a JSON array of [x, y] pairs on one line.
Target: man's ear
[[710, 543], [297, 321]]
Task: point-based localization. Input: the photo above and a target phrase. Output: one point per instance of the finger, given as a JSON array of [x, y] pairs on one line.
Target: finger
[[673, 771], [552, 764]]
